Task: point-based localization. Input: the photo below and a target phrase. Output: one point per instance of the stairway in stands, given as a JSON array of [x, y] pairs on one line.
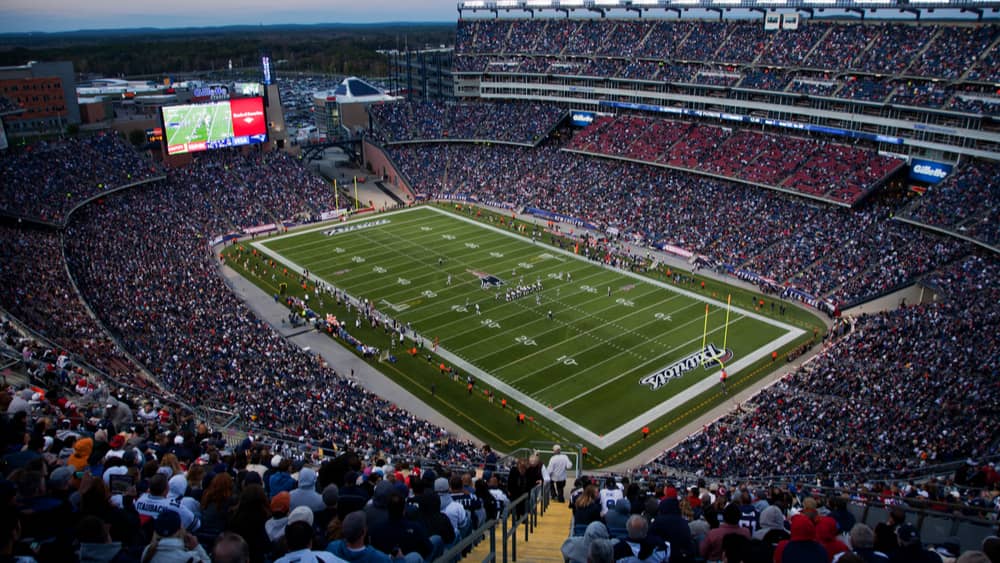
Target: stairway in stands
[[544, 543]]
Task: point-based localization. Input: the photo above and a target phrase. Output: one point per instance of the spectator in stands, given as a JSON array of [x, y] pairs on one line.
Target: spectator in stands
[[172, 543], [886, 539], [305, 494], [398, 531], [673, 528], [639, 545], [617, 517], [299, 536], [991, 547], [248, 519], [863, 544], [275, 526], [587, 507], [230, 548], [461, 521], [911, 550], [576, 548], [826, 535], [434, 521], [802, 546], [352, 547], [711, 546]]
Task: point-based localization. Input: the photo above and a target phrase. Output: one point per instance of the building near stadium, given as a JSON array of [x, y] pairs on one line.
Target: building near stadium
[[46, 92]]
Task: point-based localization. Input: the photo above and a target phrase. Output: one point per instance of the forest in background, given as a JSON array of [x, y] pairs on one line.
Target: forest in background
[[342, 49]]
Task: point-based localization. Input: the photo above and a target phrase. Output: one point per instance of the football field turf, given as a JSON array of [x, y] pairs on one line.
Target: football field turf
[[618, 351]]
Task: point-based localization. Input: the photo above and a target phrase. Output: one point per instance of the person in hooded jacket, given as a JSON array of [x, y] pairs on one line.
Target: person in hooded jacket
[[802, 547], [826, 534], [576, 548], [771, 529], [305, 494], [377, 511], [399, 532], [617, 517], [671, 526], [436, 523]]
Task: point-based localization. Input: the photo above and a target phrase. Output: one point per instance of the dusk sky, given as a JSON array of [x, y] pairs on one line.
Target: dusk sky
[[66, 15]]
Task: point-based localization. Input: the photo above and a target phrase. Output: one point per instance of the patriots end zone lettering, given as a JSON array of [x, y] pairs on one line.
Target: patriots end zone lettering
[[711, 354]]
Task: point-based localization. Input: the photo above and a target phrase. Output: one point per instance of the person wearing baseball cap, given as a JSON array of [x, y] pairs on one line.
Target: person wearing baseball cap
[[910, 549], [171, 542]]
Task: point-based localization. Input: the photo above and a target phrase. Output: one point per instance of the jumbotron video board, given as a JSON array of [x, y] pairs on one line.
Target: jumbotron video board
[[232, 123]]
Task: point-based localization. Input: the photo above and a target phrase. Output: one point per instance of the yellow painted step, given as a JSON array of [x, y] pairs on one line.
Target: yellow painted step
[[543, 544]]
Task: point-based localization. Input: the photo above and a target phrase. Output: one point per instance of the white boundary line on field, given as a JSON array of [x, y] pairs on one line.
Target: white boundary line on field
[[632, 426]]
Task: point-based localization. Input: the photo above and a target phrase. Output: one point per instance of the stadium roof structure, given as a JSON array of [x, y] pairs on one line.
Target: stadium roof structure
[[858, 7], [356, 90]]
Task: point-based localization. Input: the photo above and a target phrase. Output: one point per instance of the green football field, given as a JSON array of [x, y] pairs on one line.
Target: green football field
[[198, 123], [618, 351]]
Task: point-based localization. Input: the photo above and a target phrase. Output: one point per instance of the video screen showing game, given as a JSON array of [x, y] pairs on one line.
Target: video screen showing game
[[232, 123]]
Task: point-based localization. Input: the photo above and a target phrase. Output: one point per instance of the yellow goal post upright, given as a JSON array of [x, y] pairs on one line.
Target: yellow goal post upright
[[725, 334]]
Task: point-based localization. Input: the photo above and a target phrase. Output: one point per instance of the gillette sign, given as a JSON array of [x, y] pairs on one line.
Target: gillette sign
[[928, 171], [581, 118]]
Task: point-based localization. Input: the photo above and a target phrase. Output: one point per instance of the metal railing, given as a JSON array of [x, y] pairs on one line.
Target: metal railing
[[536, 503]]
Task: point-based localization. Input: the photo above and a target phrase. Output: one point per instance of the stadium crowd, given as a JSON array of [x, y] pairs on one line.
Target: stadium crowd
[[45, 180], [823, 169], [159, 292], [35, 288], [94, 477], [681, 519], [921, 367], [656, 50], [846, 255], [431, 120], [967, 201]]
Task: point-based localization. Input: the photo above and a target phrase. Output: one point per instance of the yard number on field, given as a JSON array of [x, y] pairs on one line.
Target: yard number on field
[[525, 340]]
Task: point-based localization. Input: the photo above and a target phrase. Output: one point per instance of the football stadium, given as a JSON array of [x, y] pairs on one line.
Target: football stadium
[[625, 281]]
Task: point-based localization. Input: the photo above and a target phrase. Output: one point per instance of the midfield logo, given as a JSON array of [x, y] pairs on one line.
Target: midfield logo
[[710, 355]]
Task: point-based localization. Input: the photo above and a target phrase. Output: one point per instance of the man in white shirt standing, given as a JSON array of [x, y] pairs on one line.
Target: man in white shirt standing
[[558, 464]]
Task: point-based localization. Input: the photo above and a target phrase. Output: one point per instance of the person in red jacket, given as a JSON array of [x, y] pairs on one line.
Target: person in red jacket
[[802, 547], [826, 533]]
